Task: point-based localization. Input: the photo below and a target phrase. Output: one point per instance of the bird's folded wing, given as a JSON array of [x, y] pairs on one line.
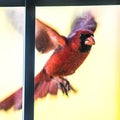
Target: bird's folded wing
[[46, 38]]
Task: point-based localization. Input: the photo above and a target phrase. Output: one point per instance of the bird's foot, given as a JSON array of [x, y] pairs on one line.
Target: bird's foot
[[65, 85]]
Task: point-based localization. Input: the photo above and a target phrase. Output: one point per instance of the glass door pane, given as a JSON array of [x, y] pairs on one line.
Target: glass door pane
[[11, 57], [96, 80]]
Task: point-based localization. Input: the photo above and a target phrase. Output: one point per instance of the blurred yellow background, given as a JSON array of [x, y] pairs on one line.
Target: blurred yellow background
[[97, 79]]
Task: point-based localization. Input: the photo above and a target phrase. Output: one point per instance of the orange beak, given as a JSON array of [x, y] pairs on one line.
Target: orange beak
[[90, 41]]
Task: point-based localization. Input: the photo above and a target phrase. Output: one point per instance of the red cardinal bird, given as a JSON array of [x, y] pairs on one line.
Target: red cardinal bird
[[69, 54]]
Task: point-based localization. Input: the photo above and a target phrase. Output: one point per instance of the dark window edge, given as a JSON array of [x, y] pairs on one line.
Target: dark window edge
[[14, 3]]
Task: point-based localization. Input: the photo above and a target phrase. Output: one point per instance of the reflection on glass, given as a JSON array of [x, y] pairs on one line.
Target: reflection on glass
[[11, 56], [97, 80]]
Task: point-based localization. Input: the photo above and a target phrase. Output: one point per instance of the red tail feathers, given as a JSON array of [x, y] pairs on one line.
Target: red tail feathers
[[43, 86], [13, 100]]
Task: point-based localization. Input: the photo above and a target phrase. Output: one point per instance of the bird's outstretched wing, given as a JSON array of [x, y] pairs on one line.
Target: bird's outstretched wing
[[46, 38], [85, 22]]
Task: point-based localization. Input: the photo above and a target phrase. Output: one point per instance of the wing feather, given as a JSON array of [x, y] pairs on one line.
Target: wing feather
[[85, 22], [46, 38]]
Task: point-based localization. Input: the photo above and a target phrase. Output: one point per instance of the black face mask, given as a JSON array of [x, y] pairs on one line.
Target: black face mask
[[84, 48]]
